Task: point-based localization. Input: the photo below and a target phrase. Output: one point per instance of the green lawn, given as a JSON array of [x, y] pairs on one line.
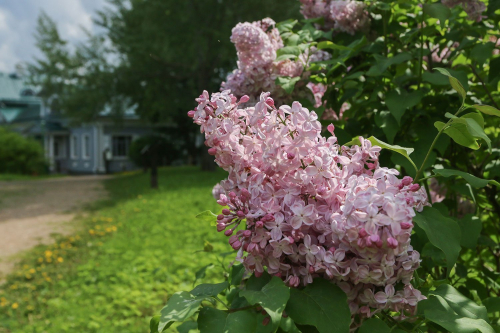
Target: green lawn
[[133, 252]]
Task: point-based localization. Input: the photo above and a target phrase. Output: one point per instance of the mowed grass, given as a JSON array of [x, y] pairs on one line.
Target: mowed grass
[[134, 251]]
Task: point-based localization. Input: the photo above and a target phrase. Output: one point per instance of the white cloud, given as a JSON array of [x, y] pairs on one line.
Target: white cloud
[[18, 23]]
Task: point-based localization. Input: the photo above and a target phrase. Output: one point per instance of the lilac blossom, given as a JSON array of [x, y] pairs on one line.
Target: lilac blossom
[[303, 207]]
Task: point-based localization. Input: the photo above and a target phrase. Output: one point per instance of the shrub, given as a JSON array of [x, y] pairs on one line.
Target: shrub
[[20, 155]]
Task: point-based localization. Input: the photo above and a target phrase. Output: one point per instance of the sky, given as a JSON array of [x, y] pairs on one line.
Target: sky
[[18, 23]]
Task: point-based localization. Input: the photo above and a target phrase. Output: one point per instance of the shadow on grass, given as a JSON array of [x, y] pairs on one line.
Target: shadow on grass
[[129, 186]]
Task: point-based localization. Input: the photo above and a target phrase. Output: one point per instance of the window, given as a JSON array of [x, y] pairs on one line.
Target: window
[[74, 146], [86, 146], [121, 145]]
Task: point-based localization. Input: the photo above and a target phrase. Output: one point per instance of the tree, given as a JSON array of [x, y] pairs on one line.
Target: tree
[[153, 54]]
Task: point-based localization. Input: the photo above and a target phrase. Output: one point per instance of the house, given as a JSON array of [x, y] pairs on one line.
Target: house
[[98, 147]]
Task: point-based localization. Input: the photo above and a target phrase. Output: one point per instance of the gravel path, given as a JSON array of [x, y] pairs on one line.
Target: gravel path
[[30, 211]]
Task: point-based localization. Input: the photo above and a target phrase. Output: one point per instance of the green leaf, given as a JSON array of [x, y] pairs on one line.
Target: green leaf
[[486, 109], [153, 324], [473, 180], [321, 304], [459, 133], [482, 52], [492, 304], [463, 306], [399, 103], [181, 306], [211, 320], [200, 274], [208, 216], [287, 325], [443, 232], [236, 275], [383, 63], [272, 297], [333, 46], [439, 11], [476, 116], [438, 310], [454, 83], [187, 326], [374, 325], [209, 290], [286, 26], [287, 83], [285, 56], [293, 50], [474, 129], [470, 227], [387, 123], [398, 149]]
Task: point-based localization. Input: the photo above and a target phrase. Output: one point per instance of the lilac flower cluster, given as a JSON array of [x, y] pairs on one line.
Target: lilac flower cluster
[[347, 16], [256, 44], [473, 8], [303, 206]]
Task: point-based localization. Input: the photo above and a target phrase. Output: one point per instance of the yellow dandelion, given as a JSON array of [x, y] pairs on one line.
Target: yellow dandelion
[[15, 306], [92, 232], [40, 260], [60, 259], [48, 253], [109, 229], [32, 271], [114, 228]]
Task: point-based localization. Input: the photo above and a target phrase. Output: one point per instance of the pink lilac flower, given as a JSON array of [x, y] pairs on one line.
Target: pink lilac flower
[[303, 207], [347, 16], [473, 8], [256, 44]]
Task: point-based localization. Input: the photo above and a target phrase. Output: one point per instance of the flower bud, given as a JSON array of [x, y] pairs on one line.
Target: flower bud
[[406, 225], [247, 233], [259, 224], [414, 187], [240, 214], [191, 114], [220, 217], [244, 99], [228, 232], [226, 211], [392, 243], [330, 128], [363, 233], [232, 239], [270, 101], [407, 180], [236, 245], [221, 226], [212, 151]]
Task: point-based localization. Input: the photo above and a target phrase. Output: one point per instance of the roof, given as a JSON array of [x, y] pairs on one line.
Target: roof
[[15, 87]]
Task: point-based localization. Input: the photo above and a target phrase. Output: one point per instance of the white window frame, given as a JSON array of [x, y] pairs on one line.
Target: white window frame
[[85, 137], [74, 146]]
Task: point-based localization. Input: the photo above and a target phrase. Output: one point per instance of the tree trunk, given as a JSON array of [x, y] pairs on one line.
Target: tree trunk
[[207, 161], [154, 166]]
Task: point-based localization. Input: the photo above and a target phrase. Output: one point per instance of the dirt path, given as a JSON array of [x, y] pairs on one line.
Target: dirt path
[[30, 211]]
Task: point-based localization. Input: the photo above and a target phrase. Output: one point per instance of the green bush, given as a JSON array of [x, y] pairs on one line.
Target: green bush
[[20, 155]]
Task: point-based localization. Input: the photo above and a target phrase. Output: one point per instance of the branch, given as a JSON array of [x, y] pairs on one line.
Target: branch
[[484, 86]]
